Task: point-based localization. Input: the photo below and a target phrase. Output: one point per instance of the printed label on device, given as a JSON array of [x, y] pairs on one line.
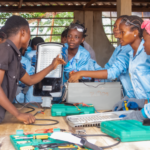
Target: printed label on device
[[47, 88]]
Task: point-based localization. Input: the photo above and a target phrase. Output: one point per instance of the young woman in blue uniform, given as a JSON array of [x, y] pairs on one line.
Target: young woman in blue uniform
[[139, 62]]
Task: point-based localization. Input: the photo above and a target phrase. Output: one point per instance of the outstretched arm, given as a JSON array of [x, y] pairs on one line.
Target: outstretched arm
[[120, 66], [30, 80], [75, 76]]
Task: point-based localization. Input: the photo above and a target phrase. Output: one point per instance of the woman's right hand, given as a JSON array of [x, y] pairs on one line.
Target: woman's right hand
[[26, 118], [74, 76]]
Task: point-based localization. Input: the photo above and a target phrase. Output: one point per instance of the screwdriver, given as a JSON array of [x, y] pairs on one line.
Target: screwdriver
[[125, 105], [42, 137]]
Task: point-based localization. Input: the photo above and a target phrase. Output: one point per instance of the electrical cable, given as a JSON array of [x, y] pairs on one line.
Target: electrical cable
[[25, 106], [119, 140], [56, 122], [92, 85]]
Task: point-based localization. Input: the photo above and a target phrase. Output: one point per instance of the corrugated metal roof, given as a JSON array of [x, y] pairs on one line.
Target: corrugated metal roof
[[66, 5]]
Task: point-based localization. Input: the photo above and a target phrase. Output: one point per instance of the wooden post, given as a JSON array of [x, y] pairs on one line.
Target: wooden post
[[79, 15], [20, 3], [88, 20], [52, 26], [38, 22], [124, 7], [101, 45]]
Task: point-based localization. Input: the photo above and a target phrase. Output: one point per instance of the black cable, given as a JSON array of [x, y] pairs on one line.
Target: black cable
[[92, 85], [119, 140], [25, 106], [56, 122]]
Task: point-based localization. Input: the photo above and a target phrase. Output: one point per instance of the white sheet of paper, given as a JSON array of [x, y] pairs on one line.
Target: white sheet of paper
[[93, 141], [68, 137]]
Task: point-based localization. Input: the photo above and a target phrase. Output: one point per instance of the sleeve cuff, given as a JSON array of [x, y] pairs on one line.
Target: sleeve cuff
[[3, 67], [143, 113], [22, 73], [109, 76]]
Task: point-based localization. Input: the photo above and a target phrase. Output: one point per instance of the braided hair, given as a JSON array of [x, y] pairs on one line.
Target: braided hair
[[123, 16], [135, 23], [80, 25], [13, 25]]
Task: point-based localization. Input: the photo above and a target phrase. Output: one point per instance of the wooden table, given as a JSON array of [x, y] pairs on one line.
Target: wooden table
[[11, 124]]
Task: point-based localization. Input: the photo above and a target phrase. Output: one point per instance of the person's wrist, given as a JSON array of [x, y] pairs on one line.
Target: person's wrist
[[81, 73], [17, 114], [51, 67]]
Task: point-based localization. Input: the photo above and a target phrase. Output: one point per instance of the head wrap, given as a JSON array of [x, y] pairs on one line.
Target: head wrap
[[146, 25]]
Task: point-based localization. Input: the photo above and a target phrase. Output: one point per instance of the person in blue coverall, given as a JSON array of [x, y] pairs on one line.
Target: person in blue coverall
[[31, 51], [144, 113], [77, 57], [119, 54], [138, 66], [29, 95], [84, 44]]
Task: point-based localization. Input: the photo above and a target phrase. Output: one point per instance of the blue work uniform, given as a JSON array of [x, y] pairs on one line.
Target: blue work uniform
[[29, 95], [120, 53], [146, 110], [30, 53], [139, 66], [81, 61], [29, 49], [29, 68], [139, 70]]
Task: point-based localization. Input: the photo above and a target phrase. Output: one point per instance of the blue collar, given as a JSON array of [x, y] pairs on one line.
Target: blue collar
[[77, 56], [140, 48]]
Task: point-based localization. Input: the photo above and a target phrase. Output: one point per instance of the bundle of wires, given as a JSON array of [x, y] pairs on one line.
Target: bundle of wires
[[33, 109]]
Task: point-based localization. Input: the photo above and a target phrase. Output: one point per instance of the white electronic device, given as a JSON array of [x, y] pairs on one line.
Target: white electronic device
[[91, 120], [103, 95], [51, 85]]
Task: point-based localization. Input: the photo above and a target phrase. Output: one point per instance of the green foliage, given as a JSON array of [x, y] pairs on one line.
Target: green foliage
[[44, 22], [61, 22]]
